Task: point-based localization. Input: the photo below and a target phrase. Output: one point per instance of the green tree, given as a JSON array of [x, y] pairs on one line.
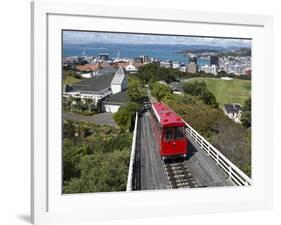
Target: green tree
[[200, 89], [89, 102], [246, 117], [123, 118], [160, 91], [136, 90]]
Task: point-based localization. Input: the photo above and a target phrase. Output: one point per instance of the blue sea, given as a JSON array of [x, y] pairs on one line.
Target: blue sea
[[161, 52]]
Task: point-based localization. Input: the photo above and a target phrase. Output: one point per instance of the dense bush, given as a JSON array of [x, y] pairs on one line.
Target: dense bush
[[200, 89], [246, 114], [160, 91], [125, 116], [96, 159], [136, 90]]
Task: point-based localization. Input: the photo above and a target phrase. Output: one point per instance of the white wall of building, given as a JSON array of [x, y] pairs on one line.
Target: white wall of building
[[111, 108], [116, 88]]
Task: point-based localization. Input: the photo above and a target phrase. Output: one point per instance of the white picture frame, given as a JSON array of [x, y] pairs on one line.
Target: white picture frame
[[47, 206]]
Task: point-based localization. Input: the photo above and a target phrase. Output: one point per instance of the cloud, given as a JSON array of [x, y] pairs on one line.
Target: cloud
[[78, 37]]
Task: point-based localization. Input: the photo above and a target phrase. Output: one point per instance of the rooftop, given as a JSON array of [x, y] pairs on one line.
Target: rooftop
[[229, 108], [119, 98], [118, 77], [166, 115], [94, 84]]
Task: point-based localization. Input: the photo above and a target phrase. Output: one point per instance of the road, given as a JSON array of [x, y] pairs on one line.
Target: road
[[100, 118]]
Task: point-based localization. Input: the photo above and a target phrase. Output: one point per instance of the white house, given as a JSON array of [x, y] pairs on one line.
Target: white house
[[233, 111], [210, 69], [86, 75], [108, 89], [113, 102], [119, 81], [131, 68]]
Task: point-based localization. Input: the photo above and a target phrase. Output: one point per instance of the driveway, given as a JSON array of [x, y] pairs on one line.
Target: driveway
[[100, 118]]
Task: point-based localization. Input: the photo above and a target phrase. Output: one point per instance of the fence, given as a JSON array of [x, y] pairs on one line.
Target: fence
[[132, 160], [235, 174]]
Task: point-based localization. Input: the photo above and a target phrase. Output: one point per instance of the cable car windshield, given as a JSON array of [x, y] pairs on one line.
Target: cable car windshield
[[179, 132], [171, 133], [168, 134]]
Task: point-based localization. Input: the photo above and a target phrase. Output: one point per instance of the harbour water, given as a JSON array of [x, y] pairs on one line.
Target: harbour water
[[161, 52]]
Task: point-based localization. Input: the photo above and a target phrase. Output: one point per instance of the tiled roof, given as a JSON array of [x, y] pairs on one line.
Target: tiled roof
[[87, 67]]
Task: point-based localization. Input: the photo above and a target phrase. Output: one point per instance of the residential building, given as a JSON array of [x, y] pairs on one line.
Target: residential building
[[98, 88], [182, 68], [213, 69], [177, 88], [112, 103], [192, 68], [131, 68], [176, 65], [166, 64], [86, 75], [233, 111], [95, 88]]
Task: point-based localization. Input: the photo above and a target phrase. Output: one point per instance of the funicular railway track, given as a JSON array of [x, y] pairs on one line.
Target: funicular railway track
[[179, 175]]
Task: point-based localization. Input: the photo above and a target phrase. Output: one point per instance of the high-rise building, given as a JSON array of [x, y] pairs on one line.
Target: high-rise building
[[192, 68], [192, 59], [104, 56], [138, 60], [145, 58], [166, 64], [213, 60]]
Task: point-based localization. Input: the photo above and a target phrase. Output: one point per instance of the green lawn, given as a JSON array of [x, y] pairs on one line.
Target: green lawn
[[227, 91], [69, 77]]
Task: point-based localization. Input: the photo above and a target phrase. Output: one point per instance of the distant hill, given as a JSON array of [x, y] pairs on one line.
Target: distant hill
[[221, 51], [199, 51], [238, 52]]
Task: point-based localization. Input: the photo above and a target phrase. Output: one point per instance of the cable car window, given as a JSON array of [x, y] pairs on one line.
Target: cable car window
[[168, 134], [179, 132]]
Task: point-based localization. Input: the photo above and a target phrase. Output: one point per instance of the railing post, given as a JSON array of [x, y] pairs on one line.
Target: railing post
[[217, 158], [208, 150], [230, 172]]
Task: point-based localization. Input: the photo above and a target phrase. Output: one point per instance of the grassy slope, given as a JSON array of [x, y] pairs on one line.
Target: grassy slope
[[69, 77], [228, 91], [70, 80]]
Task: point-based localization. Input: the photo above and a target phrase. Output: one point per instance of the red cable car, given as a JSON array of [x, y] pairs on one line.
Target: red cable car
[[170, 131]]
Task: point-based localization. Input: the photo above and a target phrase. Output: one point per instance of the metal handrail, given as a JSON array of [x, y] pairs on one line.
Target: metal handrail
[[132, 159], [235, 174]]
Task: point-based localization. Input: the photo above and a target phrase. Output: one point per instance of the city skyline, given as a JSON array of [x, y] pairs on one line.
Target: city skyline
[[92, 37]]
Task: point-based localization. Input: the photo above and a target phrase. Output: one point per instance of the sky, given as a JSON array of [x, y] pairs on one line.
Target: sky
[[78, 37]]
